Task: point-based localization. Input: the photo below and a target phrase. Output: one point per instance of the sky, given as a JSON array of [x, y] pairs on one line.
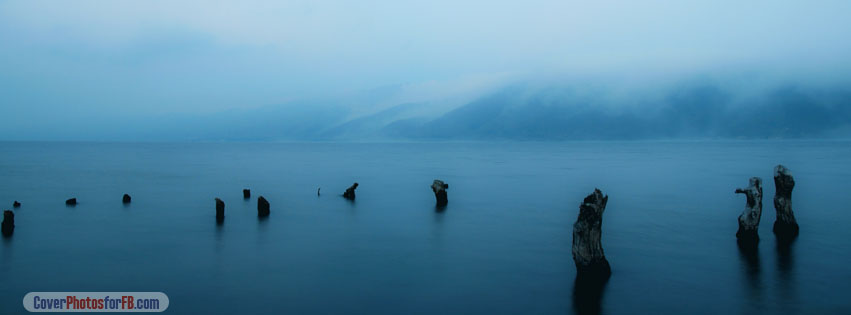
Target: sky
[[69, 64]]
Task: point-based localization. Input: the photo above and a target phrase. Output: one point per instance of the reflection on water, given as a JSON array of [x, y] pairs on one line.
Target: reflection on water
[[786, 298], [785, 274], [220, 232], [588, 295], [749, 256], [7, 248]]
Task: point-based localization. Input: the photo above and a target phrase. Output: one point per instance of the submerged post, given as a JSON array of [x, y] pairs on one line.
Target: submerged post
[[125, 199], [262, 207], [246, 193], [350, 192], [220, 210], [8, 225], [749, 219], [71, 202], [588, 254], [785, 227], [439, 189], [16, 204]]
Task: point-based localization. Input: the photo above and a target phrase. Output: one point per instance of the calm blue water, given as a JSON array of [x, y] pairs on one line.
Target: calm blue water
[[503, 245]]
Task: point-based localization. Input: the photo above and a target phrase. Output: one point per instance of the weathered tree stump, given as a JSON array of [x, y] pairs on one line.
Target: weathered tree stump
[[126, 198], [748, 234], [350, 192], [591, 263], [785, 227], [8, 225], [262, 207], [16, 204], [71, 202], [246, 193], [439, 189], [220, 210]]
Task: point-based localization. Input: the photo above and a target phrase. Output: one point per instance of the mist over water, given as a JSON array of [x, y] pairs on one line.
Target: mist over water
[[501, 246], [264, 70], [580, 107]]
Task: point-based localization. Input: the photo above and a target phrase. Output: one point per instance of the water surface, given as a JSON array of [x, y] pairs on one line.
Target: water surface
[[501, 246]]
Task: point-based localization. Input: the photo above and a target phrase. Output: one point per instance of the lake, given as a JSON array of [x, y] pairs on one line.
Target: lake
[[501, 246]]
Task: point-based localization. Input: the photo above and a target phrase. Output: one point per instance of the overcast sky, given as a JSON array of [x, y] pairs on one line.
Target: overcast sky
[[96, 60]]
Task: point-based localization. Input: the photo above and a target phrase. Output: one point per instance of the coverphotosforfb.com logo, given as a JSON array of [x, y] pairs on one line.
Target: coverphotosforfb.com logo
[[95, 302]]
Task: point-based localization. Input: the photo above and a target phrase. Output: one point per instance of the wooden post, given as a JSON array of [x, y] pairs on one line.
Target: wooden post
[[220, 210], [8, 225], [785, 227], [350, 192], [262, 207], [748, 234], [439, 189], [588, 253]]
